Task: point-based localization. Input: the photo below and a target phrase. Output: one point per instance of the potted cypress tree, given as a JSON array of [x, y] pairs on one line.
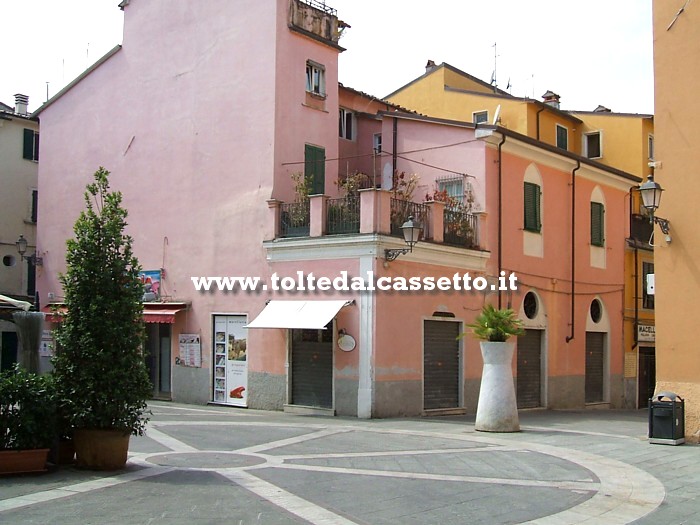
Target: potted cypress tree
[[497, 409], [101, 376]]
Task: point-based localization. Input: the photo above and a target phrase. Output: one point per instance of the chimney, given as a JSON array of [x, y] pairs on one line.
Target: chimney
[[21, 102], [551, 99], [602, 109], [430, 66]]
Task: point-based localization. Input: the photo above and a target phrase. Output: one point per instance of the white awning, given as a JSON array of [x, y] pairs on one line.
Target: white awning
[[297, 314], [24, 305]]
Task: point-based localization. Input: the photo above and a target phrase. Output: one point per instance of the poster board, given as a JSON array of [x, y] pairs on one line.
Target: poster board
[[190, 350], [230, 360]]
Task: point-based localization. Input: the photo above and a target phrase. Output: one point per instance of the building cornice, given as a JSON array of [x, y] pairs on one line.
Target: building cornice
[[331, 247]]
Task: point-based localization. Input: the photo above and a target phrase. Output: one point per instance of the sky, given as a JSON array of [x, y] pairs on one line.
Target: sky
[[590, 53]]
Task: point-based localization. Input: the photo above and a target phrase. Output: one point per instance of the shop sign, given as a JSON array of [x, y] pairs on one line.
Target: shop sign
[[646, 333]]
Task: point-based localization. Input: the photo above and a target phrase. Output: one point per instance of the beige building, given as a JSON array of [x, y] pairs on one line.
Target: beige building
[[19, 155], [677, 272]]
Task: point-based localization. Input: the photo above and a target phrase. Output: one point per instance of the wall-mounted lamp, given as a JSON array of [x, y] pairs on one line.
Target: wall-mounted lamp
[[21, 244], [651, 199], [411, 233]]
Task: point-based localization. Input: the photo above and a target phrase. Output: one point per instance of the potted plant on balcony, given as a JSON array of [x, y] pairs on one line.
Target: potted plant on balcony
[[102, 382], [497, 409], [295, 215], [26, 421]]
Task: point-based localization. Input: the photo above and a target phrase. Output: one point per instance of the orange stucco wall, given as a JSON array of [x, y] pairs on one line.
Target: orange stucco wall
[[677, 135]]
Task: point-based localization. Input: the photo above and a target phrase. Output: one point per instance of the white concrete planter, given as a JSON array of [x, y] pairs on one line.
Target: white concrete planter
[[497, 410]]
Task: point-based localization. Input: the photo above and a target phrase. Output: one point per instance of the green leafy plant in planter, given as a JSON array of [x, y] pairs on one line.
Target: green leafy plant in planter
[[27, 420], [497, 409], [496, 325], [102, 382]]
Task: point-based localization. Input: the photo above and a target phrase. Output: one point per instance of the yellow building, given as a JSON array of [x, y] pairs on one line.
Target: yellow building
[[677, 271], [621, 140]]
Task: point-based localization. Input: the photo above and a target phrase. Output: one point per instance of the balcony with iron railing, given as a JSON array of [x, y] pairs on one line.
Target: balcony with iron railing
[[295, 219], [373, 211], [460, 228]]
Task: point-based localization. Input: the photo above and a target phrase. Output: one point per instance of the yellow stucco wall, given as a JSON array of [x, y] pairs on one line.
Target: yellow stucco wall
[[677, 266], [625, 140]]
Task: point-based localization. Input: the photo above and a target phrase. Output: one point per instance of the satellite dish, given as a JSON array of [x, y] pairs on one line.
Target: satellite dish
[[497, 115]]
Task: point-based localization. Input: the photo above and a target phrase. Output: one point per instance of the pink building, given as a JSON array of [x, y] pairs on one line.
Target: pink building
[[203, 130]]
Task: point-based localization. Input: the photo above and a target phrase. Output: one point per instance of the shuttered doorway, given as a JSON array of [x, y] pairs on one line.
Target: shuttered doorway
[[595, 367], [440, 365], [312, 368], [529, 369]]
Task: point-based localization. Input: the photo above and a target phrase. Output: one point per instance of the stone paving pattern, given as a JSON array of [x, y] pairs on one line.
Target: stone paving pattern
[[201, 465]]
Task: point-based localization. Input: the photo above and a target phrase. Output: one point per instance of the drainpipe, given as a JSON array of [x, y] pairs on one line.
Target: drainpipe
[[500, 214], [573, 251], [395, 141], [636, 297], [636, 271], [538, 122]]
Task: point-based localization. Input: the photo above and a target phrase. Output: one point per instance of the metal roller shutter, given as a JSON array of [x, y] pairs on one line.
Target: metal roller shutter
[[312, 374], [595, 344], [440, 365], [529, 370]]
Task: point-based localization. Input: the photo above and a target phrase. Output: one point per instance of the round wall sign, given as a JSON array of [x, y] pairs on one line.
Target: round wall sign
[[346, 343]]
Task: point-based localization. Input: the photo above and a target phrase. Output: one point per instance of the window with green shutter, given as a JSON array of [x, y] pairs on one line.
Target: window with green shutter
[[30, 150], [562, 137], [533, 221], [597, 224], [315, 168]]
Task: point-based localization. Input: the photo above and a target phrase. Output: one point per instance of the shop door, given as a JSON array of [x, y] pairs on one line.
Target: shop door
[[158, 358], [312, 367], [595, 367], [647, 375], [440, 365], [8, 350], [529, 369]]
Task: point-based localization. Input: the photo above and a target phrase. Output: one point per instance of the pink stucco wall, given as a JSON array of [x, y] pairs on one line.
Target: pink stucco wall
[[195, 117], [434, 151], [296, 122]]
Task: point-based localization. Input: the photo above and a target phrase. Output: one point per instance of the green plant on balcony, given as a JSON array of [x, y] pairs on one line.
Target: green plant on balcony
[[298, 211]]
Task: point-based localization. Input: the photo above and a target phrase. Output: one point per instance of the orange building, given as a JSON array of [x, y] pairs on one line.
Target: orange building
[[677, 107]]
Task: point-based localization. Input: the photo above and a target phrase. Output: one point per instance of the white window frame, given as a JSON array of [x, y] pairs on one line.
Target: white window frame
[[377, 143], [343, 115], [556, 136], [315, 78], [650, 146], [482, 112], [445, 183], [600, 143]]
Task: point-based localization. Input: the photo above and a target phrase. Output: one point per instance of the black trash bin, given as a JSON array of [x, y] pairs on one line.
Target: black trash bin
[[667, 419]]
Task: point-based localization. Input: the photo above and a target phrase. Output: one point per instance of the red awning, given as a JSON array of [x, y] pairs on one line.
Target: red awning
[[164, 313], [54, 313], [160, 316]]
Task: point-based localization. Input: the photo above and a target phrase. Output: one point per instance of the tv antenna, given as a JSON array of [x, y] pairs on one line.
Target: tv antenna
[[494, 80]]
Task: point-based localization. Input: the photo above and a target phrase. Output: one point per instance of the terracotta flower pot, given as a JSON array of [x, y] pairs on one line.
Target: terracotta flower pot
[[497, 410], [16, 461], [100, 449]]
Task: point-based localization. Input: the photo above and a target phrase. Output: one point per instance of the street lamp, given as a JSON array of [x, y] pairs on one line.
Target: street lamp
[[21, 244], [651, 199], [411, 232]]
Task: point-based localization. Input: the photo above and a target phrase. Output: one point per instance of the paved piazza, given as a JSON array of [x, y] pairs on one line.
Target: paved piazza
[[219, 465]]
